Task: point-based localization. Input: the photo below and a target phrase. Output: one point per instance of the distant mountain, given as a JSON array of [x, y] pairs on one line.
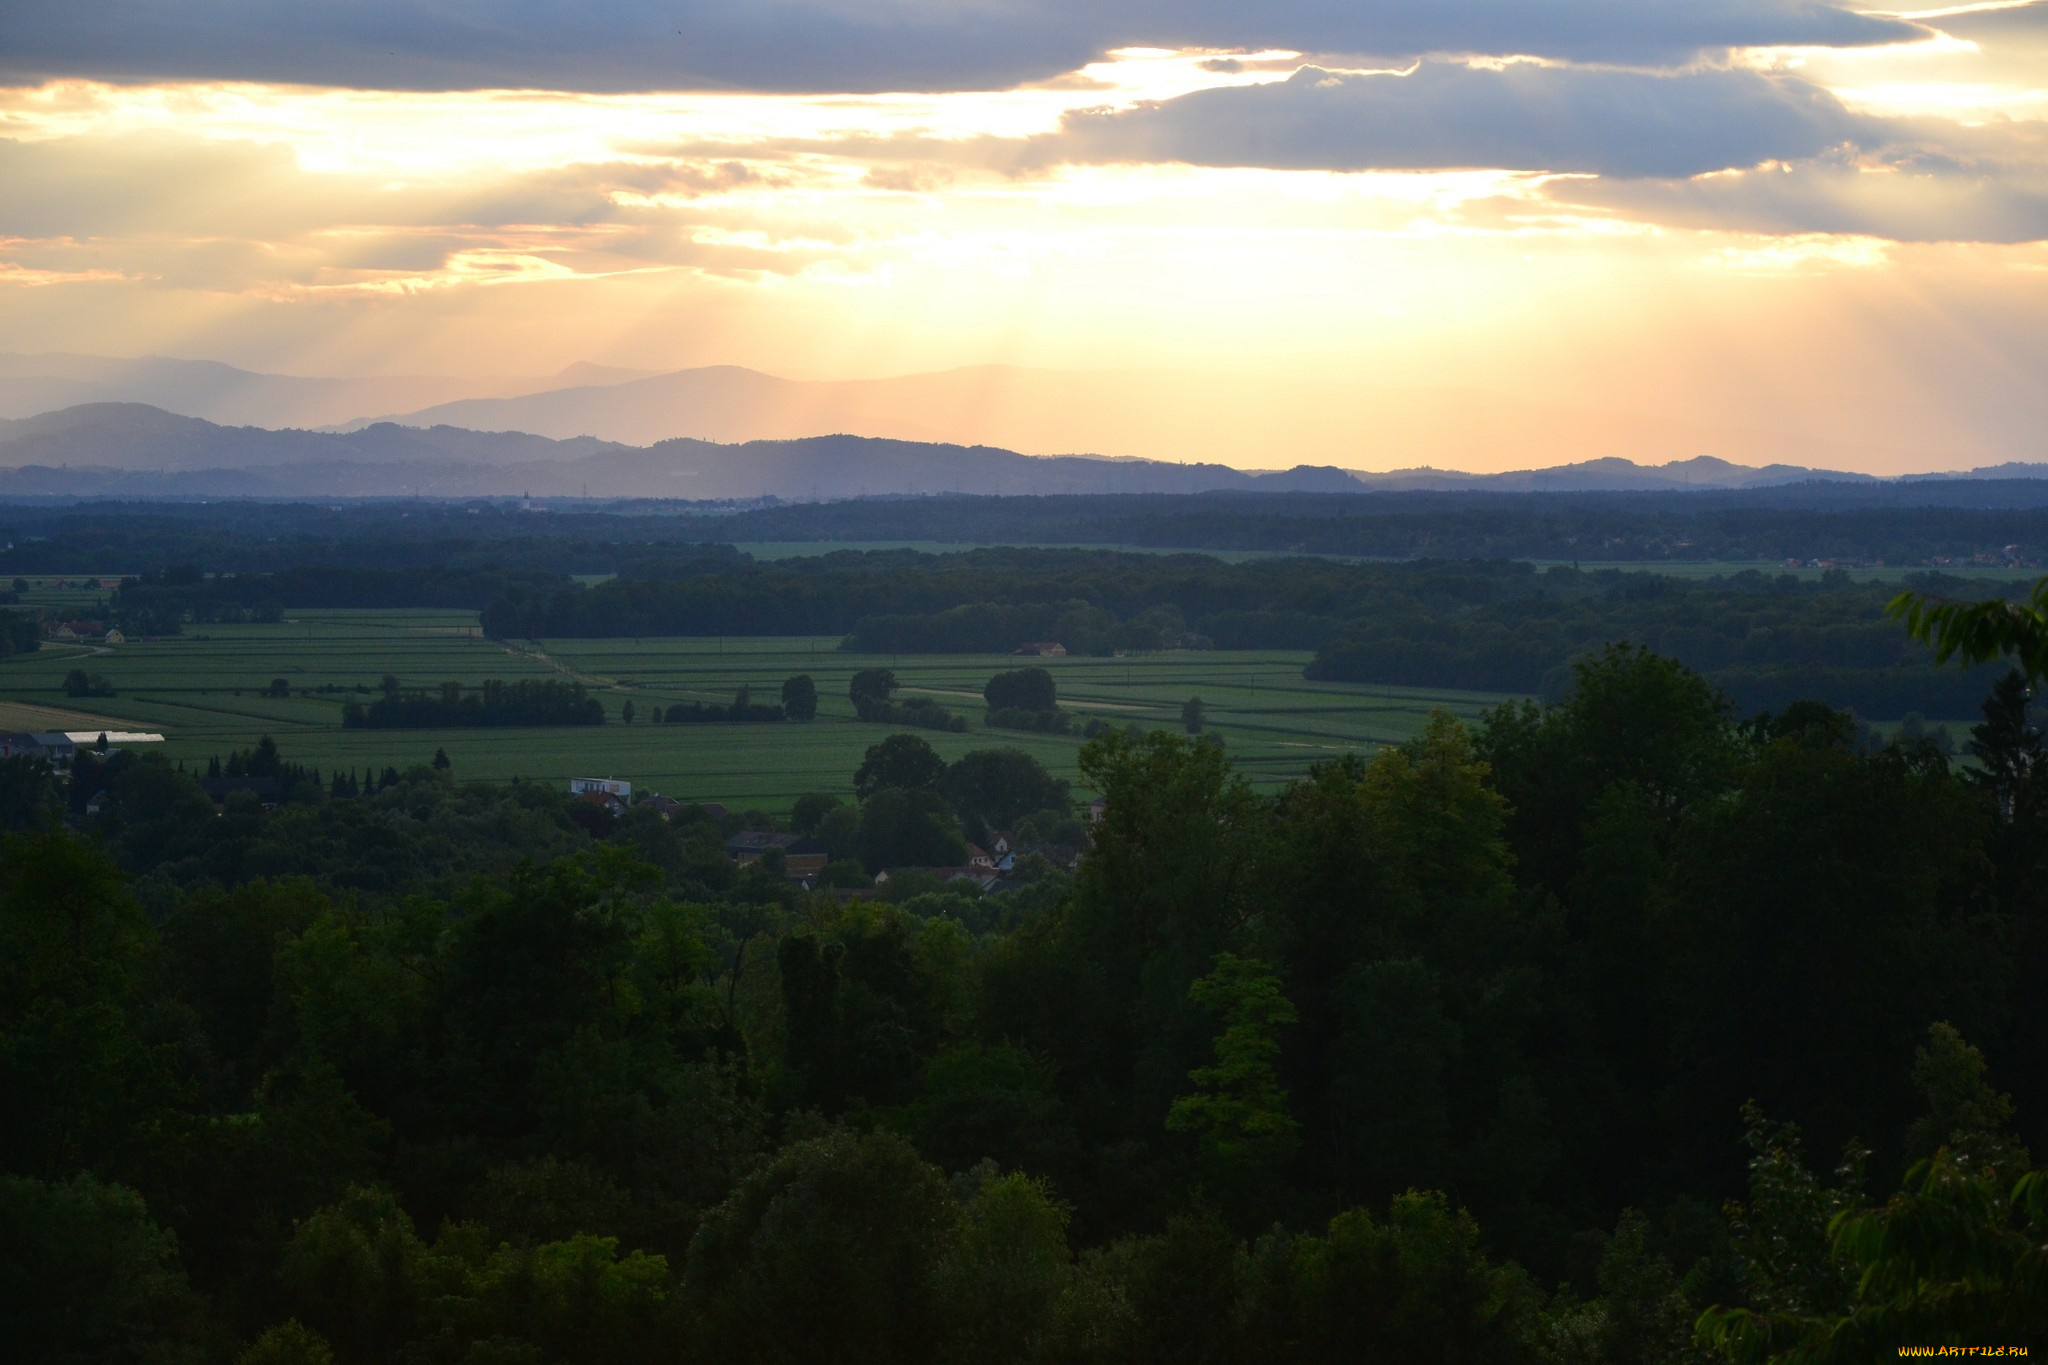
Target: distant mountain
[[1612, 474], [131, 449], [32, 384], [135, 450], [137, 437], [1229, 418], [1233, 419]]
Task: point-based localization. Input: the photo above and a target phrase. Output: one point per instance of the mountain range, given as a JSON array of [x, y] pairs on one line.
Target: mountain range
[[135, 450], [1241, 420]]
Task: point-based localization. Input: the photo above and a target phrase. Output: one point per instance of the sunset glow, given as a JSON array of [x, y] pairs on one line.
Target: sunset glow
[[1831, 239]]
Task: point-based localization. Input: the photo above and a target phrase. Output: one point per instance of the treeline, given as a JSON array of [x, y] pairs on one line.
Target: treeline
[[742, 708], [1766, 641], [1526, 1044], [265, 538], [496, 703], [160, 602], [1903, 524]]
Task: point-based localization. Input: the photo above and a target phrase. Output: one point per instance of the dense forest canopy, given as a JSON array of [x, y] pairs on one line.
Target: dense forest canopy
[[1911, 524], [1534, 1041]]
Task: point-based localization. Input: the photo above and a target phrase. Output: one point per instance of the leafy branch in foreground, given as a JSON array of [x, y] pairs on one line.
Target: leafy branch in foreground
[[1977, 632]]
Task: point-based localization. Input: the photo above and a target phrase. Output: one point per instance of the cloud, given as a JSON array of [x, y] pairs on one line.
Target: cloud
[[1517, 116], [848, 45], [171, 210], [1901, 200]]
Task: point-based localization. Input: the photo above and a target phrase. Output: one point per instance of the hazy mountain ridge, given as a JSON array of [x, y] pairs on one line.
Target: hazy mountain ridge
[[35, 384], [106, 449], [1225, 417], [1145, 415]]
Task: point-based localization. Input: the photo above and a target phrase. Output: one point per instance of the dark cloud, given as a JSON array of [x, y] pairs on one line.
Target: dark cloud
[[1987, 25], [1522, 116], [844, 45], [1911, 200]]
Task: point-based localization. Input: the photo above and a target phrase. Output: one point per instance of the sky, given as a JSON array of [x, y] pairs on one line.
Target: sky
[[1799, 217]]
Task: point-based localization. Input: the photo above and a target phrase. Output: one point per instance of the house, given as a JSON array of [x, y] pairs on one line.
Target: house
[[55, 746], [19, 746], [980, 857], [664, 806], [611, 803], [578, 786], [115, 637], [1043, 649], [1096, 809], [802, 856]]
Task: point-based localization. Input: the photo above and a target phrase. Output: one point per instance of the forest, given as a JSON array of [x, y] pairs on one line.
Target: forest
[[1910, 524], [1616, 1027]]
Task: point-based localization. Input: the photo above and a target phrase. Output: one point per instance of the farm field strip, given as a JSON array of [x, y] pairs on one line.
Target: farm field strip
[[205, 692]]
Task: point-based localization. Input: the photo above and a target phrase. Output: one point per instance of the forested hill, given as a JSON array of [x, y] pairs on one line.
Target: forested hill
[[1569, 1038]]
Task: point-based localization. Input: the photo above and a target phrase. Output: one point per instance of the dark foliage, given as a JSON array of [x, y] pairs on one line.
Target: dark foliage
[[497, 703], [1451, 1052]]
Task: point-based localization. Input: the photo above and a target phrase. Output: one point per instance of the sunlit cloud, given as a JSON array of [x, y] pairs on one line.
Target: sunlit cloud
[[1560, 197]]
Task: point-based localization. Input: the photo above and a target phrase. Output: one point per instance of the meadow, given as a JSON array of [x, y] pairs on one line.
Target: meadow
[[205, 691]]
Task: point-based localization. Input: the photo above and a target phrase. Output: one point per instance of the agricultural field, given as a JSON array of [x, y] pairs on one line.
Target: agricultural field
[[205, 691]]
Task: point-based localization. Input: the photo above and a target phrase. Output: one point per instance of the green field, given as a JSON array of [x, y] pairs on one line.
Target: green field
[[202, 691]]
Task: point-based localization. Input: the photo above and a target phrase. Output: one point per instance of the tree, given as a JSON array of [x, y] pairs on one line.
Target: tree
[[903, 761], [1978, 632], [288, 1343], [441, 760], [1191, 712], [810, 810], [1956, 1258], [626, 712], [1006, 1271], [1022, 689], [85, 1276], [2007, 746], [29, 793], [1416, 1286], [832, 1251], [279, 687], [900, 828], [1000, 786], [800, 697], [79, 683], [870, 689], [1238, 1111]]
